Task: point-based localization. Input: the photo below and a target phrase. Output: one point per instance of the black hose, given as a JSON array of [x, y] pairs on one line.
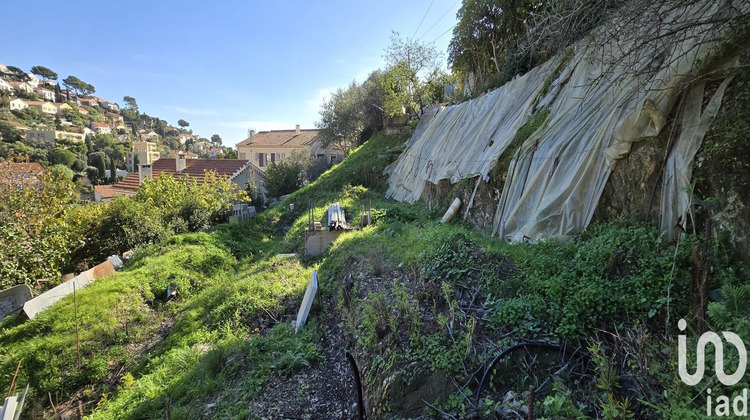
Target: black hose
[[360, 404], [505, 352]]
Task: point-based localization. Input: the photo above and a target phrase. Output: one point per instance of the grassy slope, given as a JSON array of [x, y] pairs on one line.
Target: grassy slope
[[228, 281], [438, 297]]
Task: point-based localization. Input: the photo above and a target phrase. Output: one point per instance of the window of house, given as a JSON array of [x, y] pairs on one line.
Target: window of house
[[273, 157], [261, 159]]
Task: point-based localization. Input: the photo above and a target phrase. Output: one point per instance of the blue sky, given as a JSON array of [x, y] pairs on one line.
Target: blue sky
[[224, 66]]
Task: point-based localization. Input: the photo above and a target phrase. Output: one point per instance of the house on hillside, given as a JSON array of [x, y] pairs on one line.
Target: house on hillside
[[62, 106], [70, 96], [66, 135], [33, 80], [82, 111], [41, 137], [188, 155], [101, 128], [184, 137], [46, 94], [109, 105], [150, 135], [4, 85], [147, 154], [115, 118], [89, 102], [22, 86], [240, 172], [273, 146], [18, 104], [45, 107]]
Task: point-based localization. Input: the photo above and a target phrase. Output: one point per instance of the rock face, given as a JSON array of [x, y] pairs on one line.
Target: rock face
[[603, 140]]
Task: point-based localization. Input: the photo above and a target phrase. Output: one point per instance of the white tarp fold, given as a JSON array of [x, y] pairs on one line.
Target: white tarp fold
[[675, 193]]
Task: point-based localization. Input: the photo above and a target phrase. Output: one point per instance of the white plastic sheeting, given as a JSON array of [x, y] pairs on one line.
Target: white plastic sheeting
[[675, 194], [465, 140], [597, 110]]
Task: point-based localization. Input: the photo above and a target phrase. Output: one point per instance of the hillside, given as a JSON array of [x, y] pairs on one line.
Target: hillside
[[575, 316], [41, 122], [423, 308]]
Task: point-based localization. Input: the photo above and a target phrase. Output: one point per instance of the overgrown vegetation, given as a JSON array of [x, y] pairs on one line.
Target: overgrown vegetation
[[422, 304], [46, 231]]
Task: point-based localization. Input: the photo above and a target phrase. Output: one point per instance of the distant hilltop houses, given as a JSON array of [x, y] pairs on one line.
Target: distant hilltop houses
[[112, 150]]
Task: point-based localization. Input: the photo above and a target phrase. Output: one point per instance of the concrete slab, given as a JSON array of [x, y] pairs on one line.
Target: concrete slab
[[8, 410], [304, 309], [13, 299], [318, 241], [34, 306]]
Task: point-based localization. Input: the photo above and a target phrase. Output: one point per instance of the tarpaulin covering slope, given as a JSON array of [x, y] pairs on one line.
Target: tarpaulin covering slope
[[598, 110], [465, 140]]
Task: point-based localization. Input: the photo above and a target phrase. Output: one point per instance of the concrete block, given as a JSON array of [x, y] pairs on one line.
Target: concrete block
[[318, 241], [13, 299], [304, 309], [102, 270], [34, 306]]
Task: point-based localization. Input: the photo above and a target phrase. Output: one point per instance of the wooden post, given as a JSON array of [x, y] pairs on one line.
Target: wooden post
[[531, 402], [13, 382]]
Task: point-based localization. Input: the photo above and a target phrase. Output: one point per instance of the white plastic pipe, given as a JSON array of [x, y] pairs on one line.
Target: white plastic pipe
[[451, 211]]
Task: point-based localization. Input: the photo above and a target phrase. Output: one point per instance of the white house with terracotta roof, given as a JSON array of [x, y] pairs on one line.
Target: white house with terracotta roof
[[273, 146], [18, 104], [114, 117], [101, 128], [66, 135], [109, 105], [44, 106], [24, 86], [46, 94], [4, 85], [33, 80]]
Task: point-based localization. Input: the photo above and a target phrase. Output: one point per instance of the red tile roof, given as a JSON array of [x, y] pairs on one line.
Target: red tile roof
[[281, 138], [18, 172], [194, 168], [104, 191]]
